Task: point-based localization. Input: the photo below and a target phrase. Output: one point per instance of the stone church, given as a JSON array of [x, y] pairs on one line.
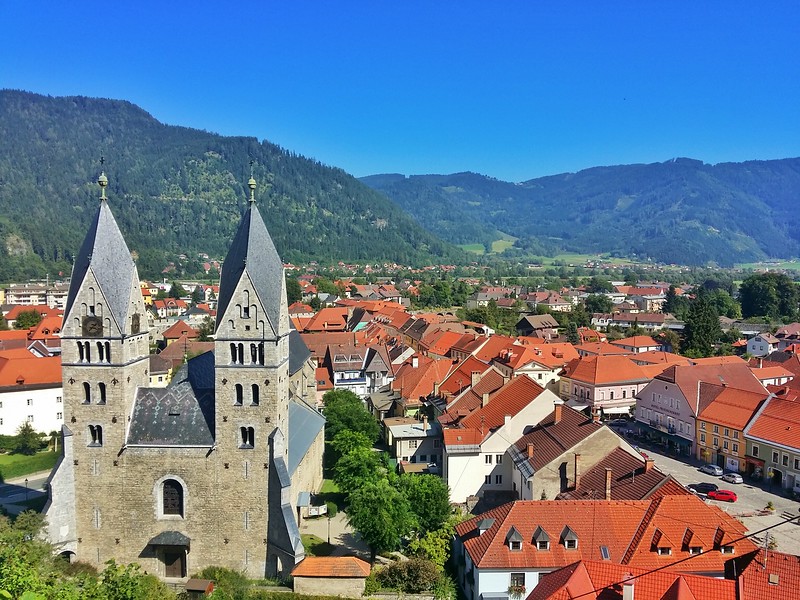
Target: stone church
[[208, 471]]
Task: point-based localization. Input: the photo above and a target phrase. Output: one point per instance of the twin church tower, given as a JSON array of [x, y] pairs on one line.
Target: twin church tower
[[208, 470]]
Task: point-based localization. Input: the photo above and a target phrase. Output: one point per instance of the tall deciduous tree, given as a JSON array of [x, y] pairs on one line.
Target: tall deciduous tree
[[598, 303], [772, 295], [356, 469], [382, 515], [293, 291], [345, 411], [429, 498], [27, 319]]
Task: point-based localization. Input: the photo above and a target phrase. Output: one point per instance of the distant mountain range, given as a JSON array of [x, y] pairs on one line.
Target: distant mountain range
[[176, 191], [680, 211]]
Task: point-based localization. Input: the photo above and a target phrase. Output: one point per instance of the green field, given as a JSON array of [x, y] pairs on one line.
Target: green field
[[18, 465], [316, 546], [474, 248], [784, 265]]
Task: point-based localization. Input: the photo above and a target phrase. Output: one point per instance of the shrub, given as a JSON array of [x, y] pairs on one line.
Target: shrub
[[229, 584], [372, 585], [332, 509], [411, 577]]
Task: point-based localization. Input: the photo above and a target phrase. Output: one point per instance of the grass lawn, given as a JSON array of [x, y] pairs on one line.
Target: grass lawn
[[315, 546], [474, 248], [18, 465], [329, 487]]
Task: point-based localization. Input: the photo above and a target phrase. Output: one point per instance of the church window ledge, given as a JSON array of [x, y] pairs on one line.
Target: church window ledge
[[247, 438]]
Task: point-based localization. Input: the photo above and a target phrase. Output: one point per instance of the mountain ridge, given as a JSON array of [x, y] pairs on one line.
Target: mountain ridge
[[678, 211]]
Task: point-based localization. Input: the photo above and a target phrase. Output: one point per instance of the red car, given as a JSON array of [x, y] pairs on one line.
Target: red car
[[723, 495]]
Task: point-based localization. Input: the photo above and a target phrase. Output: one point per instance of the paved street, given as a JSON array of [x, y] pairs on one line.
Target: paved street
[[16, 490], [751, 500], [347, 542]]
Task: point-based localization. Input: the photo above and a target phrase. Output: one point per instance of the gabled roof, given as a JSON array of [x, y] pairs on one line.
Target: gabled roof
[[21, 368], [253, 252], [730, 407], [625, 528], [602, 580], [636, 341], [687, 378], [778, 422], [508, 400], [105, 253], [603, 370], [305, 424], [766, 574], [491, 349], [181, 414], [630, 480], [601, 349], [550, 439], [180, 328]]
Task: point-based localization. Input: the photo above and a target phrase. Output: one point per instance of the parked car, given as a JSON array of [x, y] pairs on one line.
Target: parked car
[[732, 478], [711, 470], [722, 495], [703, 488]]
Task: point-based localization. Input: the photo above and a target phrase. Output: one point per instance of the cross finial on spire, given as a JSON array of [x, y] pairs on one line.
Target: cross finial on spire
[[102, 181], [252, 185]]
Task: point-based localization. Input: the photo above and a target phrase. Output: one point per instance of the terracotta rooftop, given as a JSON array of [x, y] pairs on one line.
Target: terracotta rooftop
[[508, 400], [602, 580], [603, 370], [729, 407], [736, 375], [17, 369], [778, 421], [626, 528], [331, 566], [766, 574]]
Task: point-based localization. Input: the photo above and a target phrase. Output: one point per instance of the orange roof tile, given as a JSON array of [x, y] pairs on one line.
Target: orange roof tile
[[768, 574], [778, 421], [730, 407], [600, 370], [18, 370], [331, 566], [508, 400]]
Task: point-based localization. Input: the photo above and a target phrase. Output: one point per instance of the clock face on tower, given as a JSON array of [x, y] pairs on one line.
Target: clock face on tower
[[92, 326]]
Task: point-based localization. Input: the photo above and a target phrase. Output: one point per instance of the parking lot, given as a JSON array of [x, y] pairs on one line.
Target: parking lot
[[750, 505]]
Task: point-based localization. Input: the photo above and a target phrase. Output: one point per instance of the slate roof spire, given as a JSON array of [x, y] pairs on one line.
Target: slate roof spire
[[253, 252], [105, 253]]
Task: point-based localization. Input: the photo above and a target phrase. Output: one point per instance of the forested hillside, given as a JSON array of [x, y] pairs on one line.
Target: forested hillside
[[681, 211], [176, 191]]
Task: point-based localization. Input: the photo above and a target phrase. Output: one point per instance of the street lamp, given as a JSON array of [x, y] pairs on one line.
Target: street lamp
[[329, 529], [26, 489]]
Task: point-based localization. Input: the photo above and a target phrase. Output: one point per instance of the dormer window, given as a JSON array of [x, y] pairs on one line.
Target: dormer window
[[540, 539], [693, 550], [514, 540], [569, 538], [664, 551], [726, 549]]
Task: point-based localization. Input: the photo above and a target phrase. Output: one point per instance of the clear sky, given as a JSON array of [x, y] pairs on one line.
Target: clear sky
[[514, 90]]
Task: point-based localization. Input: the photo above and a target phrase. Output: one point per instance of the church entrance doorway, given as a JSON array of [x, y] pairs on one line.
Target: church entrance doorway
[[174, 562]]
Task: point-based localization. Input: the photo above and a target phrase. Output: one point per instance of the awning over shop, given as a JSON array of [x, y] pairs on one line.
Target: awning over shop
[[170, 538], [756, 461], [617, 410], [576, 405]]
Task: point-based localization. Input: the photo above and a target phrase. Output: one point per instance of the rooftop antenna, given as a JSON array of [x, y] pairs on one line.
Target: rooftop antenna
[[252, 185]]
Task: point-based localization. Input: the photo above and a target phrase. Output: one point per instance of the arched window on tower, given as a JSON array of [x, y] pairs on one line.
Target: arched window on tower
[[253, 354], [102, 387], [233, 354], [95, 435], [87, 351], [261, 353], [255, 394], [239, 394], [240, 353], [248, 437], [172, 498], [108, 352], [87, 393], [101, 352], [81, 357]]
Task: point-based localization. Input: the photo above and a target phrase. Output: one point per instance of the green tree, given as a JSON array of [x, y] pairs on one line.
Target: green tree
[[197, 296], [702, 329], [27, 440], [598, 303], [598, 285], [675, 305], [429, 499], [356, 469], [572, 333], [381, 515], [315, 303], [724, 304], [771, 295], [3, 323], [27, 319], [669, 339], [346, 441], [206, 329], [345, 411], [293, 291], [177, 290]]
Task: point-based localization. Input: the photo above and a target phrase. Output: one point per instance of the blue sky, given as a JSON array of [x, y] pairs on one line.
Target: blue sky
[[514, 90]]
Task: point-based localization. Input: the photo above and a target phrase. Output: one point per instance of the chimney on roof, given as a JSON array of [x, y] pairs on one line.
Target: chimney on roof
[[760, 363], [476, 377], [485, 399], [506, 419], [608, 483], [557, 406], [648, 465], [414, 361], [530, 450], [595, 415], [627, 587], [424, 422], [436, 389], [577, 470]]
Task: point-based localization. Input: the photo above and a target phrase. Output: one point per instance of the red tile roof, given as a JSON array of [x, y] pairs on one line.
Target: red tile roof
[[331, 566], [768, 574], [625, 528], [730, 407], [550, 439], [491, 349], [601, 349], [180, 328], [603, 370], [508, 400], [636, 341], [737, 375], [778, 422], [17, 369], [602, 580]]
